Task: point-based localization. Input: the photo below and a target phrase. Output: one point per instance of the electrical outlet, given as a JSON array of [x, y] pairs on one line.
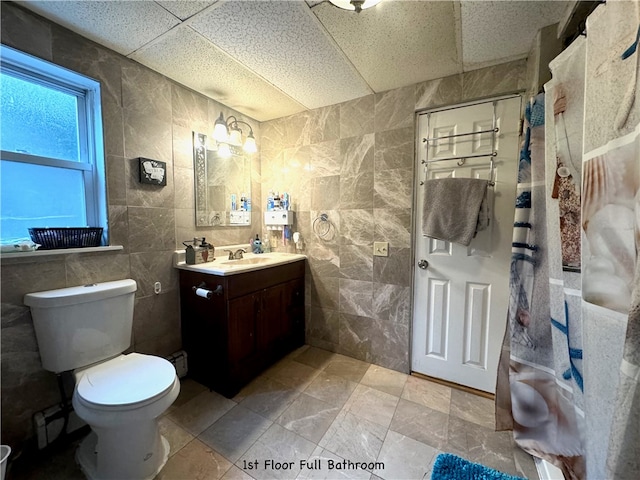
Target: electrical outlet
[[157, 288], [380, 249]]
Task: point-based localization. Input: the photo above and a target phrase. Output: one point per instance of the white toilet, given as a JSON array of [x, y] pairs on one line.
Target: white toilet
[[86, 329]]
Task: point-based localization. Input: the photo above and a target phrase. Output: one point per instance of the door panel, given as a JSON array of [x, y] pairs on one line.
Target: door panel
[[243, 312], [439, 317], [476, 324], [461, 298], [271, 328]]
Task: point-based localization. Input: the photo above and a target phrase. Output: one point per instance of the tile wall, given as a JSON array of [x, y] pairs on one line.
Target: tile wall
[[144, 114], [353, 161]]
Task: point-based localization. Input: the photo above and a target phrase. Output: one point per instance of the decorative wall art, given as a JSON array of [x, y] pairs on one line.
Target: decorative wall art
[[153, 172]]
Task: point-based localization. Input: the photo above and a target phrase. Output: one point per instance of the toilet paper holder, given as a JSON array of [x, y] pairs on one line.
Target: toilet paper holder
[[202, 291]]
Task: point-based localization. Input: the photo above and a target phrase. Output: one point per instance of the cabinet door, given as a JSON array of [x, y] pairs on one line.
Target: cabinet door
[[243, 317], [271, 328], [293, 319], [281, 324]]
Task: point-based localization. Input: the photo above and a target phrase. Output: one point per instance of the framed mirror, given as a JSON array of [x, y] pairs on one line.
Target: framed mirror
[[222, 185]]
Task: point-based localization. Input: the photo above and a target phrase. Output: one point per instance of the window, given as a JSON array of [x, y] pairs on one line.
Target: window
[[52, 163]]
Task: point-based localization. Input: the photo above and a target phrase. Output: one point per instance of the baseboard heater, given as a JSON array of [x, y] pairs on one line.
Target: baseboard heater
[[179, 361], [50, 422]]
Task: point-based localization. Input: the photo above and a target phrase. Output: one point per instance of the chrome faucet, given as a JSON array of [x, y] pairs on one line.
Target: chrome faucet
[[237, 255]]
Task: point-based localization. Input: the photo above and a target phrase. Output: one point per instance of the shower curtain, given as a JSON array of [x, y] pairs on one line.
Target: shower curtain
[[569, 371], [544, 371]]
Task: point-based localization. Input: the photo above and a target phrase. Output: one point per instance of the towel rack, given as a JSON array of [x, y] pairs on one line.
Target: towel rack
[[491, 130], [463, 158]]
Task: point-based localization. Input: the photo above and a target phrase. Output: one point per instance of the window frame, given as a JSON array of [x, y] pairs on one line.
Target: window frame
[[91, 161]]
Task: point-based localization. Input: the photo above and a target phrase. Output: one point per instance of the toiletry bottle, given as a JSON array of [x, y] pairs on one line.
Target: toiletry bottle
[[234, 204], [270, 201]]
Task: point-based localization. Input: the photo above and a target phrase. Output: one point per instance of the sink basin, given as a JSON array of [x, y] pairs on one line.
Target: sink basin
[[249, 261], [222, 266]]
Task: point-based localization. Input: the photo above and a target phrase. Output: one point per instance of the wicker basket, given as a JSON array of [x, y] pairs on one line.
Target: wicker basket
[[51, 238]]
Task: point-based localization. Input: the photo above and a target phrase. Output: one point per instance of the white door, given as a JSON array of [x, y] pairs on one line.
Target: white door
[[461, 294]]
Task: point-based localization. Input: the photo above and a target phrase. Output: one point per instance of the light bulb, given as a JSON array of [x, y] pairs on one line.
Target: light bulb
[[223, 150], [220, 131], [235, 137], [250, 144]]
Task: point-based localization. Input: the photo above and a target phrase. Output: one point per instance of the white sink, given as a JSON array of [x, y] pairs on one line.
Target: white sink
[[250, 260], [222, 266]]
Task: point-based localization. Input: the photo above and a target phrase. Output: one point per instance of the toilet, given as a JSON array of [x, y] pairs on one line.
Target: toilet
[[86, 329]]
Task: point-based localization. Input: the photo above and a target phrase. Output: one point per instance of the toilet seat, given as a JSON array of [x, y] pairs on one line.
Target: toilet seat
[[125, 382]]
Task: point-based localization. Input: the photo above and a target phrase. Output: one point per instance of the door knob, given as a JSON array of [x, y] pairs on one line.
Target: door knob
[[423, 264]]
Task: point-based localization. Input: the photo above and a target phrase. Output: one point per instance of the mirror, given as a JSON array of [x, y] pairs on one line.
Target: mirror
[[222, 186]]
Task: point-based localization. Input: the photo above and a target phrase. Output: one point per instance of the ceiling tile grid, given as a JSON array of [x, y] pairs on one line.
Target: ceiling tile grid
[[185, 56], [498, 31], [396, 43], [273, 58], [283, 43], [122, 26], [184, 9]]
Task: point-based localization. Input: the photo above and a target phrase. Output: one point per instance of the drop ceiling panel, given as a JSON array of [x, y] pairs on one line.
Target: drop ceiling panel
[[122, 26], [285, 44], [272, 58], [497, 31], [185, 56], [184, 9], [396, 43]]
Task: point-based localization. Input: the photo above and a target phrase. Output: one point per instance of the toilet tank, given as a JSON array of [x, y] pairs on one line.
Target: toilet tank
[[78, 326]]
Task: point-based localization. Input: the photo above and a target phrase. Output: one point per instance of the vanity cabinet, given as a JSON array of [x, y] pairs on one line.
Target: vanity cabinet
[[255, 319]]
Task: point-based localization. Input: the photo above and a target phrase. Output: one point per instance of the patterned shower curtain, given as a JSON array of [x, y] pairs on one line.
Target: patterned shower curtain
[[569, 372], [542, 349]]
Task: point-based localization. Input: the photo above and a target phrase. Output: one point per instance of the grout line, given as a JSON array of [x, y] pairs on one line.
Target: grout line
[[455, 386]]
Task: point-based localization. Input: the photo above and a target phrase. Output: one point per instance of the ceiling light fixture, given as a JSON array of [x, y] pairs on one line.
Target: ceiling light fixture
[[357, 5], [228, 133]]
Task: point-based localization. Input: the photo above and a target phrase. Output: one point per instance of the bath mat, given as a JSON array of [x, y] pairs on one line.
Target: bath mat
[[452, 467]]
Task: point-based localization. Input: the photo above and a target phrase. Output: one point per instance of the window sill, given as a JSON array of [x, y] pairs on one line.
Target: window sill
[[63, 251]]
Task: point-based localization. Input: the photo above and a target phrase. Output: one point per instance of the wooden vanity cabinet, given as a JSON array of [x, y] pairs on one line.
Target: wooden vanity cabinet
[[257, 318]]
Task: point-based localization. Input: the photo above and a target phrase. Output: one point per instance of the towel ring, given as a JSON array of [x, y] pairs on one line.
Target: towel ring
[[322, 225]]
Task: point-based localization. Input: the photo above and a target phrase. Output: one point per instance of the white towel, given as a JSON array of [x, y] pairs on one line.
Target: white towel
[[453, 209]]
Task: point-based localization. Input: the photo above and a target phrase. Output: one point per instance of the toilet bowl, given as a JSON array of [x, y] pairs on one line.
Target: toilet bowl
[[121, 400], [86, 329]]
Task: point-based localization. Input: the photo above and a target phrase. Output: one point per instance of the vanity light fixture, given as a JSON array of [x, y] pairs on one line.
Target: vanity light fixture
[[228, 133], [357, 5], [224, 150]]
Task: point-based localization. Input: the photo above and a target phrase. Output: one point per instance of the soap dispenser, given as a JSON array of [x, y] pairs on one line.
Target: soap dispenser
[[256, 245]]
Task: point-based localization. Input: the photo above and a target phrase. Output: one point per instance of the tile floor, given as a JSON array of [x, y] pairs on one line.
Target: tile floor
[[316, 407]]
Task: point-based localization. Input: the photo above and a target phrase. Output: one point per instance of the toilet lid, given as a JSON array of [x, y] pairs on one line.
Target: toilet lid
[[126, 380]]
